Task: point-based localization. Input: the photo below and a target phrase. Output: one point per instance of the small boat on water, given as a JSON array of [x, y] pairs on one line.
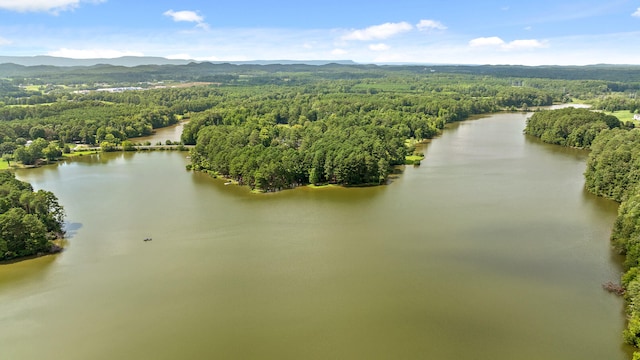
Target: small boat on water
[[147, 239]]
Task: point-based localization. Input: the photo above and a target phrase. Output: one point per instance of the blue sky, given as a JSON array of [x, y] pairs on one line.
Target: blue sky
[[462, 32]]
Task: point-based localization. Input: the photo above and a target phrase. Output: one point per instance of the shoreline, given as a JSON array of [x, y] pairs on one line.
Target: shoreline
[[57, 247]]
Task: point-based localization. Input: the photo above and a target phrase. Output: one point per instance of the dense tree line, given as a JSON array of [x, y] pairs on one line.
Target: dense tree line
[[9, 92], [273, 158], [410, 103], [626, 239], [29, 220], [90, 122], [618, 102], [615, 77], [84, 121], [613, 167], [618, 77], [613, 171], [95, 117], [570, 126]]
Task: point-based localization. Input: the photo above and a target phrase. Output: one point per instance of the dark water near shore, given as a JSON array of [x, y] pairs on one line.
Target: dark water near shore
[[489, 250]]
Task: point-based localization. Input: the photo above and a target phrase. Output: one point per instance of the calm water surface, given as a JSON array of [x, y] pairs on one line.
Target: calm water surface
[[172, 133], [489, 250]]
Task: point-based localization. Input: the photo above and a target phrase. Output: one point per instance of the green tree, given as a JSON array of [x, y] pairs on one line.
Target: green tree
[[107, 146], [7, 158], [314, 176], [37, 146], [27, 219], [22, 233], [37, 132], [128, 146], [23, 155], [52, 151]]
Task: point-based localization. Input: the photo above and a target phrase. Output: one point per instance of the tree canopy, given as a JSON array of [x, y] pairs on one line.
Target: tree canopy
[[348, 133], [613, 167], [28, 220], [572, 127]]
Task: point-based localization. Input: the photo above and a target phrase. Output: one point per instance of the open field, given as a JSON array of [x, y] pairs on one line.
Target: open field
[[80, 153], [624, 115]]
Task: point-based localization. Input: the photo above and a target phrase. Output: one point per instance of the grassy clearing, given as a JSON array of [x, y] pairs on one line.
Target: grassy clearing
[[624, 116], [80, 153], [384, 87], [322, 186], [188, 84], [416, 156], [410, 142], [26, 106], [33, 88], [14, 165], [414, 159]]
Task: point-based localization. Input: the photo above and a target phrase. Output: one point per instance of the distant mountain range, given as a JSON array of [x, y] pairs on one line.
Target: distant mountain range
[[131, 69], [131, 61]]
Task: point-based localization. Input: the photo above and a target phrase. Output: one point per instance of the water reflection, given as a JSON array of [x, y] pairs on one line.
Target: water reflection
[[172, 133], [577, 154], [333, 194]]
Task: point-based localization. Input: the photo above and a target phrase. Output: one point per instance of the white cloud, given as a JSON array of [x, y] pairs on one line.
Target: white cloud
[[382, 31], [379, 47], [486, 41], [53, 6], [495, 41], [92, 53], [338, 52], [187, 16], [426, 25], [4, 41], [637, 13]]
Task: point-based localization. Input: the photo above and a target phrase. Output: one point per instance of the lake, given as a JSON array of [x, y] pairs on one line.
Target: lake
[[491, 249]]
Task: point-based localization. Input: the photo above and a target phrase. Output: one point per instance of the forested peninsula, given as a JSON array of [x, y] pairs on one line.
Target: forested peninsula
[[345, 133]]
